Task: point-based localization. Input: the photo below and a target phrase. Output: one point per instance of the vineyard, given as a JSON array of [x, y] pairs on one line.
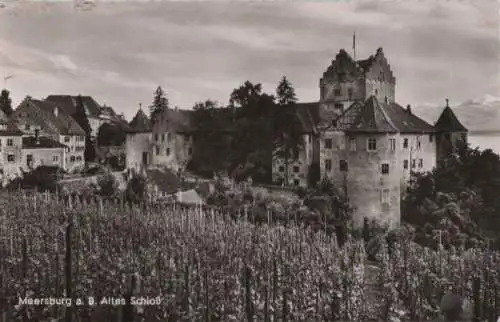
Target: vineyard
[[206, 266]]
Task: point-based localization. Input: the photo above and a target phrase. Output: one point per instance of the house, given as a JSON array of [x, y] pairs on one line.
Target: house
[[300, 164], [365, 142], [37, 151], [49, 120], [10, 148], [138, 142], [172, 143], [96, 114]]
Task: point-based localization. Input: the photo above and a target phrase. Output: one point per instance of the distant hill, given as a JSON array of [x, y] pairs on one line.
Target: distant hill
[[480, 115]]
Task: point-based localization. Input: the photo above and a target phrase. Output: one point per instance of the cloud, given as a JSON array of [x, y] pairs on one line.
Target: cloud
[[119, 52]]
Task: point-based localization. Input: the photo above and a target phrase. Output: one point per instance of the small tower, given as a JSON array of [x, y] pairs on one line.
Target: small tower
[[138, 141], [450, 133]]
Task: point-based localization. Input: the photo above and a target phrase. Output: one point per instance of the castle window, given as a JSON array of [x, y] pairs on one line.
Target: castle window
[[296, 169], [352, 144], [328, 165], [163, 137], [385, 168], [190, 151], [337, 92], [420, 163], [157, 151], [296, 154], [296, 182], [27, 127], [372, 144], [281, 168], [405, 164], [343, 165], [405, 143], [413, 163], [418, 142], [431, 138], [376, 91], [392, 143], [168, 151], [79, 158], [339, 106], [10, 142], [11, 158], [309, 138], [72, 158], [55, 158], [385, 197], [328, 143], [169, 137], [156, 137]]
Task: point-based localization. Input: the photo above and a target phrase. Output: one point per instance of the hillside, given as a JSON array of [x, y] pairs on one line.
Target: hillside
[[481, 114]]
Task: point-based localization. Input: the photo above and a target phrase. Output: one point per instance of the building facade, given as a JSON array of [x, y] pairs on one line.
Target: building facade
[[42, 151], [138, 142], [10, 149], [366, 143], [47, 119]]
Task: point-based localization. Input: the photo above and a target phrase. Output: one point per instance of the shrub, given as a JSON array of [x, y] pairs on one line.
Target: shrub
[[107, 184]]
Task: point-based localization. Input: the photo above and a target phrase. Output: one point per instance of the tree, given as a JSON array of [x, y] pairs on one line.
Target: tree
[[136, 190], [285, 93], [160, 104], [108, 185], [81, 118], [110, 135], [6, 102], [288, 139], [245, 95]]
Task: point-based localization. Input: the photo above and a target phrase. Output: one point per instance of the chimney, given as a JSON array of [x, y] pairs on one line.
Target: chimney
[[408, 108], [37, 136]]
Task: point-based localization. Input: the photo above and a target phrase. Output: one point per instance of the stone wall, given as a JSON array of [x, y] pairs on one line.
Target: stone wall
[[172, 150], [135, 145]]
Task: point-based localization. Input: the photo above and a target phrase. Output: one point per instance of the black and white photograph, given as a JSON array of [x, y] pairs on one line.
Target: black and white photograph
[[249, 161]]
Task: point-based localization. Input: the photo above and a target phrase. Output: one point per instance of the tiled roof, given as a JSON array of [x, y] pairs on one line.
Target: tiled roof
[[140, 123], [372, 116], [63, 123], [164, 179], [68, 104], [305, 112], [178, 120], [448, 122], [43, 143]]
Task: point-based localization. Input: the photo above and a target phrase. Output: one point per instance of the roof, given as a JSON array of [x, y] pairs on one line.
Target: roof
[[140, 123], [307, 115], [68, 104], [372, 116], [448, 122], [63, 123], [189, 197], [178, 120], [43, 143], [164, 179]]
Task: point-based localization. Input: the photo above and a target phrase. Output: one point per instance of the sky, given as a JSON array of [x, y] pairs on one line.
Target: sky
[[119, 52]]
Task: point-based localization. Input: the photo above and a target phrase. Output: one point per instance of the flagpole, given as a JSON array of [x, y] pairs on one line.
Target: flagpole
[[354, 44]]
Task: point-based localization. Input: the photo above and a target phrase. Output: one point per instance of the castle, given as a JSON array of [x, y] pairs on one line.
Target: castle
[[356, 134]]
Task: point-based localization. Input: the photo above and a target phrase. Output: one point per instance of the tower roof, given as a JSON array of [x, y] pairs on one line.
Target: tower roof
[[448, 122], [140, 123], [372, 116]]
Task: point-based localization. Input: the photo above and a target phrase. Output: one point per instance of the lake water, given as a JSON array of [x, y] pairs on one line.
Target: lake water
[[485, 141]]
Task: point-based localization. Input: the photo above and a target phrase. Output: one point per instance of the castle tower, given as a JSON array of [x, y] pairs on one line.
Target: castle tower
[[138, 142], [450, 133], [348, 80]]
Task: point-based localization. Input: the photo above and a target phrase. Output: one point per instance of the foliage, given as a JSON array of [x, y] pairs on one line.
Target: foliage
[[457, 200], [287, 130], [136, 190], [111, 135], [160, 104], [42, 178], [6, 102], [205, 264], [108, 186]]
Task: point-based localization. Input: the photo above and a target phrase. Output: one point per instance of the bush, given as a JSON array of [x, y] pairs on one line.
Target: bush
[[107, 184]]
